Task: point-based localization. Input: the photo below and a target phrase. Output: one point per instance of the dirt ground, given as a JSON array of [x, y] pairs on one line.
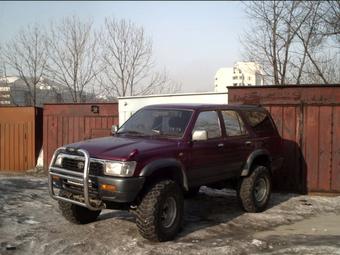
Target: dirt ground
[[30, 223]]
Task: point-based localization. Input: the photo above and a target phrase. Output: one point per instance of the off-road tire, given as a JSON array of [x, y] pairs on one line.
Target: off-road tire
[[75, 213], [246, 191], [192, 192], [149, 211]]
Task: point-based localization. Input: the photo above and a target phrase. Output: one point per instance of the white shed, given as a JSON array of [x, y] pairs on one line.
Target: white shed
[[129, 105]]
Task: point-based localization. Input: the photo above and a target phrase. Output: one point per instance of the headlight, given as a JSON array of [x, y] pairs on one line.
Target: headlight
[[58, 161], [118, 168]]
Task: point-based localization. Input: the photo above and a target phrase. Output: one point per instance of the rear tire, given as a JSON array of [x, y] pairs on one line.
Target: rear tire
[[159, 216], [75, 213], [254, 190]]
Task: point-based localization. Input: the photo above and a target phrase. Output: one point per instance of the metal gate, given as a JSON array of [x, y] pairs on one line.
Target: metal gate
[[20, 137], [69, 123]]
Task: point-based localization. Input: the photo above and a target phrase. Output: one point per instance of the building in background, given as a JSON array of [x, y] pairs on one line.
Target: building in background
[[13, 91], [241, 74]]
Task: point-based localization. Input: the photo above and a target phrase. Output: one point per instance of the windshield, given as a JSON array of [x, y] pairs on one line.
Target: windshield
[[157, 122]]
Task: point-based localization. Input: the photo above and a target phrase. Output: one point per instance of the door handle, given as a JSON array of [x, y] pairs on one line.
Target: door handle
[[220, 145], [248, 143]]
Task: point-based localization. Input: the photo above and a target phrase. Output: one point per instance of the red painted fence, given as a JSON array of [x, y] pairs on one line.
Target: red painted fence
[[308, 119], [69, 123], [20, 137]]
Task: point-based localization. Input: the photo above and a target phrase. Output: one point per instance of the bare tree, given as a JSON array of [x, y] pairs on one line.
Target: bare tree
[[2, 63], [127, 61], [271, 40], [320, 53], [170, 86], [262, 41], [310, 41], [73, 59], [291, 41], [26, 55], [330, 16]]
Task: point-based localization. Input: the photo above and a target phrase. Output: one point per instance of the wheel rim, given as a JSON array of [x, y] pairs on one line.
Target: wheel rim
[[260, 189], [169, 212]]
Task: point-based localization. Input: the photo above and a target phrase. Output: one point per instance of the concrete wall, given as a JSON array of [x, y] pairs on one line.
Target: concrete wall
[[129, 105]]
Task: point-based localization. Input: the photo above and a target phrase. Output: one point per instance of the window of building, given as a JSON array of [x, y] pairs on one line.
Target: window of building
[[234, 125], [208, 121]]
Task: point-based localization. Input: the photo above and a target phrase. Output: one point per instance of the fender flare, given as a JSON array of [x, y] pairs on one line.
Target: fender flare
[[247, 166], [155, 165]]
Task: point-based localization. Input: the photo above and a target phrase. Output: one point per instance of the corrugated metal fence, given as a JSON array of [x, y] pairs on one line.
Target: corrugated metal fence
[[20, 137], [69, 123], [308, 119]]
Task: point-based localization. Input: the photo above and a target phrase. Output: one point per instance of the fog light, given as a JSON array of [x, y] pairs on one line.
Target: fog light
[[55, 178], [108, 187]]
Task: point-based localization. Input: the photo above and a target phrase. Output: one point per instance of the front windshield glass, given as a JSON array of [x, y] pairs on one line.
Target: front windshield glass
[[157, 122]]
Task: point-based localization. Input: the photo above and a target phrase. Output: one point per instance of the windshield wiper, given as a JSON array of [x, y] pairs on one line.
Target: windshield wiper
[[156, 132], [130, 132]]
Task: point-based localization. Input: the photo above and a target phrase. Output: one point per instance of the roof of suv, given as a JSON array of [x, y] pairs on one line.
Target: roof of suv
[[204, 106]]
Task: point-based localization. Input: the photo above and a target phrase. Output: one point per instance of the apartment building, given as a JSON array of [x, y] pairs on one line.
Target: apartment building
[[241, 74]]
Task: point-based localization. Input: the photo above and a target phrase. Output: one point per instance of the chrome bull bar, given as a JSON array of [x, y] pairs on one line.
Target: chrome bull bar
[[73, 176]]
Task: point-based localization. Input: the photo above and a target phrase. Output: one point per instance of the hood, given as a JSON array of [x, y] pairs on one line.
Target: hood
[[120, 148]]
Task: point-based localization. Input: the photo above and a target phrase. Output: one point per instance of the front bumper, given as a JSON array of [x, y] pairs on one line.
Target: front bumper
[[127, 188], [86, 188]]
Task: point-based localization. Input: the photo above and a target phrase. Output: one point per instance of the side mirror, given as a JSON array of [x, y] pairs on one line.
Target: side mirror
[[114, 129], [200, 135]]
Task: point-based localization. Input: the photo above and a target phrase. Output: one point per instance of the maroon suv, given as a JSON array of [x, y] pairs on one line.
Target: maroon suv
[[163, 153]]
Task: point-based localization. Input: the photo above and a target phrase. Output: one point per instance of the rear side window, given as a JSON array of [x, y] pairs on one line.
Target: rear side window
[[260, 122], [208, 121], [234, 125]]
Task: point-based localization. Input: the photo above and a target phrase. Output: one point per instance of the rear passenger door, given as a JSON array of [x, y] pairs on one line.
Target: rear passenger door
[[267, 136], [237, 143]]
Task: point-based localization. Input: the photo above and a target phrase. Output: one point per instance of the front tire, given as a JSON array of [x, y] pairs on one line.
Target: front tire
[[74, 213], [159, 216], [192, 192], [254, 190]]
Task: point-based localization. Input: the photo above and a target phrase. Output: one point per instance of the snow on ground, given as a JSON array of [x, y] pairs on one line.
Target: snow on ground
[[30, 223]]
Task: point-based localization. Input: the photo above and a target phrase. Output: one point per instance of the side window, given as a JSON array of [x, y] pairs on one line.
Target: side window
[[234, 125], [208, 121], [260, 122]]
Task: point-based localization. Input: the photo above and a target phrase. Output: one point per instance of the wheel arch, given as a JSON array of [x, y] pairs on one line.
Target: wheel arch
[[257, 157], [166, 168]]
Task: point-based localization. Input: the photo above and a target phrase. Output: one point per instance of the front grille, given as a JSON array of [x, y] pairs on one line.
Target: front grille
[[96, 168]]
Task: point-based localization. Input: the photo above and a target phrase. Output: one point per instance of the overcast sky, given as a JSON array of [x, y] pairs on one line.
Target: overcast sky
[[191, 39]]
